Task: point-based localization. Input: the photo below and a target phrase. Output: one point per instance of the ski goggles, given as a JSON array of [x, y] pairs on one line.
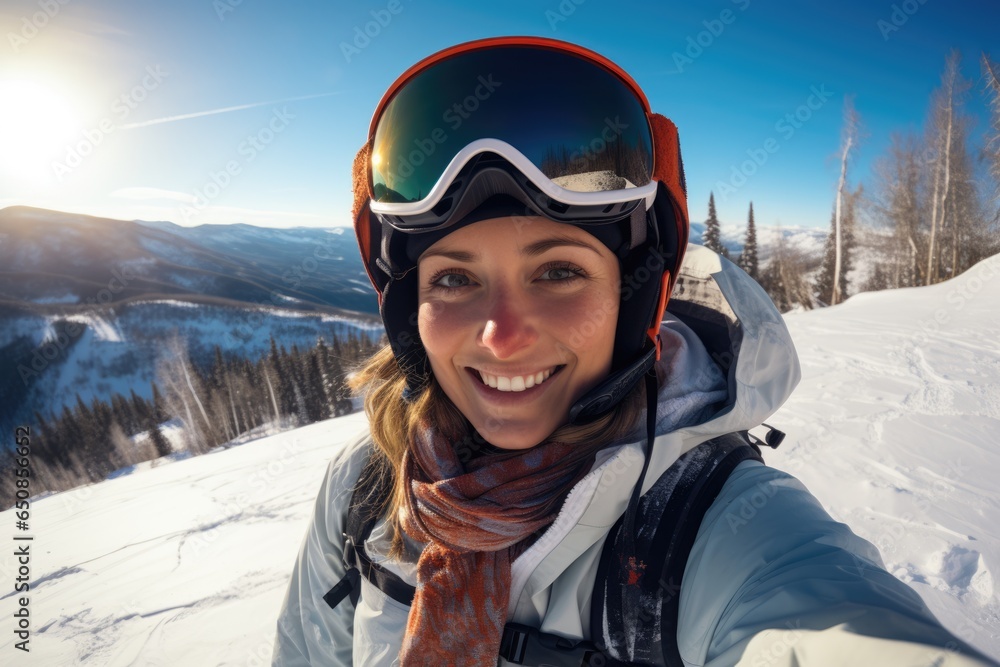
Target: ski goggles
[[580, 131]]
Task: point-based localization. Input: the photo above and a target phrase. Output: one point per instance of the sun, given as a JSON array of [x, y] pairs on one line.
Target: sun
[[37, 126]]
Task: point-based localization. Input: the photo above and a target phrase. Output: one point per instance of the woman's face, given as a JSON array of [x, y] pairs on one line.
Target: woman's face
[[528, 303]]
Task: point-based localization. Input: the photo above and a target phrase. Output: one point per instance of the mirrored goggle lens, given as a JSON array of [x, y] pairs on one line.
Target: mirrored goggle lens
[[580, 124]]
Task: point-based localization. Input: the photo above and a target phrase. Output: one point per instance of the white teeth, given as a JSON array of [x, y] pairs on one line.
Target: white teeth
[[518, 383]]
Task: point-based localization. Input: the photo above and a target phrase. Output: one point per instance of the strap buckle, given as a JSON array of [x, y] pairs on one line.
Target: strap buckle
[[525, 645]]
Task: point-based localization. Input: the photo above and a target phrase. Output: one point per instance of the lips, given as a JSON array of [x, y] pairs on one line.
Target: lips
[[514, 383]]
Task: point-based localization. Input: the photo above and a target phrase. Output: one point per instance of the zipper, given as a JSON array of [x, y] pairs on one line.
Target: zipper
[[569, 515]]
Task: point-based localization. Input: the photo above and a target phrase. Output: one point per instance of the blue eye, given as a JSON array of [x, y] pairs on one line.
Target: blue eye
[[449, 280], [565, 272]]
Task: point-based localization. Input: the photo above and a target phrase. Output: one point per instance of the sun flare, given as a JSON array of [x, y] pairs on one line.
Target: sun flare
[[37, 124]]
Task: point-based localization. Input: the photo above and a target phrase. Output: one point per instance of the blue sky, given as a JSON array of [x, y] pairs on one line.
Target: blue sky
[[102, 103]]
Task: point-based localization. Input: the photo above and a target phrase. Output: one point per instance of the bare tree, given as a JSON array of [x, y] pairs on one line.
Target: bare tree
[[785, 277], [848, 142], [946, 127], [184, 395], [991, 72], [897, 207]]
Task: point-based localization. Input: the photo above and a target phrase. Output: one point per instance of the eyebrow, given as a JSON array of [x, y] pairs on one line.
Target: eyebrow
[[532, 250]]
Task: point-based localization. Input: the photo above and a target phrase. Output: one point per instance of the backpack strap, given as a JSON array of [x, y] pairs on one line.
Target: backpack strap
[[680, 525], [690, 486], [373, 488], [675, 505]]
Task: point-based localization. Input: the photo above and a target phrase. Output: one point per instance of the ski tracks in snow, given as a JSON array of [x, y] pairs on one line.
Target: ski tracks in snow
[[894, 428]]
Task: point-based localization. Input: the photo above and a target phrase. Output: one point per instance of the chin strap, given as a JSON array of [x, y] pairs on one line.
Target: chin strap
[[612, 390]]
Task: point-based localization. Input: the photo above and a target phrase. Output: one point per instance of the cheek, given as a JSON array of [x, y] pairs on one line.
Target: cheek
[[440, 327], [589, 325]]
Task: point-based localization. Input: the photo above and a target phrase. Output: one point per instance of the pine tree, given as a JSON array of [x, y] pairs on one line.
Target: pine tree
[[713, 232], [159, 408], [160, 442], [748, 257], [141, 409], [317, 401]]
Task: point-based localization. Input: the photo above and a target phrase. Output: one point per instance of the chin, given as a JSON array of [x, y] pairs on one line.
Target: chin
[[507, 435]]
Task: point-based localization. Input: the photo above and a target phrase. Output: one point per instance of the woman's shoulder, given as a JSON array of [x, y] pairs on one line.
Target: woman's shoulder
[[344, 469]]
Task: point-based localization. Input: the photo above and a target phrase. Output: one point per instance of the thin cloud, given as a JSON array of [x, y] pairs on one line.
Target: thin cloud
[[211, 112], [153, 193]]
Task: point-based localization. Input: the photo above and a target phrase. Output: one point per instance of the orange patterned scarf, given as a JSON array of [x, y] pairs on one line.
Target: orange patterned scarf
[[477, 518]]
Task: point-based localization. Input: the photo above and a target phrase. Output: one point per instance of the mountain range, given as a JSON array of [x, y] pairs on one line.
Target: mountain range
[[87, 303]]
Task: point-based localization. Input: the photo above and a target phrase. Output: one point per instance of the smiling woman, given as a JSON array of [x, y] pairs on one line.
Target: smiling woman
[[510, 503], [36, 125], [492, 322]]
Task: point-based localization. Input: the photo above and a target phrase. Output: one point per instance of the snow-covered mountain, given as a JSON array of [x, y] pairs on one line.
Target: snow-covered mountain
[[807, 240], [54, 258], [86, 304], [894, 428]]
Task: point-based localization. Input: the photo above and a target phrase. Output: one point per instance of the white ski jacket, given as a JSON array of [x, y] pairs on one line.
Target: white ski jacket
[[772, 579]]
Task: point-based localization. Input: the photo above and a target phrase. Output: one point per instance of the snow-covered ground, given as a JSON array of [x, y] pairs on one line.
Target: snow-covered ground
[[894, 428]]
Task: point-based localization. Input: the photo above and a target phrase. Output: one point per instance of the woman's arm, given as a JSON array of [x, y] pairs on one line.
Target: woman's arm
[[774, 580], [309, 631]]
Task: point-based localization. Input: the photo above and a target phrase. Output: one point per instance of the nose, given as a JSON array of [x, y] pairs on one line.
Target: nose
[[508, 328]]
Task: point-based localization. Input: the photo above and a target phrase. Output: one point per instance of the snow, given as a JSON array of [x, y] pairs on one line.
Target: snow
[[104, 329], [893, 428], [593, 181]]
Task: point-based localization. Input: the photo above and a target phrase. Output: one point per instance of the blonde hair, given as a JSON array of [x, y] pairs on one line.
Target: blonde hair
[[394, 423]]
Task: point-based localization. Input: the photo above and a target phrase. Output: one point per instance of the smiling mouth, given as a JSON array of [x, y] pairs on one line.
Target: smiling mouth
[[516, 383]]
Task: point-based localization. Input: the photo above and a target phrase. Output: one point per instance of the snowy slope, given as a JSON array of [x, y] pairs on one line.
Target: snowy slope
[[116, 349], [893, 427]]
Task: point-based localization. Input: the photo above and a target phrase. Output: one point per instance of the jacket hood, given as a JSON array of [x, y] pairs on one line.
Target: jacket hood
[[743, 333]]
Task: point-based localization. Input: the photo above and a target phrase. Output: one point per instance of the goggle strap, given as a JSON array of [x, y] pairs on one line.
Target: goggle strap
[[639, 227], [361, 213], [667, 168]]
